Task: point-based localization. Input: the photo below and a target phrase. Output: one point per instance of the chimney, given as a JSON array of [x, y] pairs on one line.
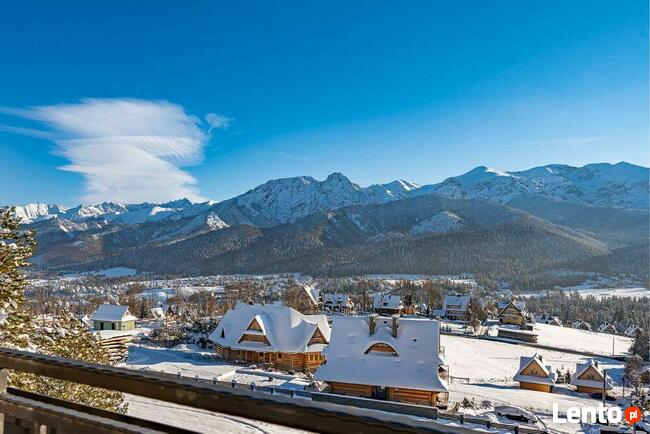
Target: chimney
[[394, 330], [372, 323]]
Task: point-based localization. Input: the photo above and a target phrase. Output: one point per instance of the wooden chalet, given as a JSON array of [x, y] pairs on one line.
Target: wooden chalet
[[581, 325], [590, 378], [550, 320], [387, 304], [455, 307], [607, 327], [535, 374], [337, 303], [632, 330], [394, 359], [273, 334], [514, 313]]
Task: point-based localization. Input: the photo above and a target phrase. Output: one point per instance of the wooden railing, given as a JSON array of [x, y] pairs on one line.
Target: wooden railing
[[23, 412]]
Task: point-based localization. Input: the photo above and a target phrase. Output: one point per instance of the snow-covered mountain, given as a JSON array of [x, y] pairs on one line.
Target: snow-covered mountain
[[288, 199], [622, 185], [112, 212]]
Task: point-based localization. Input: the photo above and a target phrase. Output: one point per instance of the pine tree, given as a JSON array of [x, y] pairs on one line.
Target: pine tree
[[68, 337], [16, 247]]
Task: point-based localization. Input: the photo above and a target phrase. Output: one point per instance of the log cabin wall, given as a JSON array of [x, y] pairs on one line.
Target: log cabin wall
[[412, 396], [361, 390]]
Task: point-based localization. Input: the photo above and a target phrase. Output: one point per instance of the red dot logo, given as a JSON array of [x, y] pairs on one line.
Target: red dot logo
[[633, 415]]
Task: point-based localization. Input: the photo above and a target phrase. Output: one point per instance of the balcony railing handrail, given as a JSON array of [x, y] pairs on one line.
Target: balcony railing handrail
[[295, 413]]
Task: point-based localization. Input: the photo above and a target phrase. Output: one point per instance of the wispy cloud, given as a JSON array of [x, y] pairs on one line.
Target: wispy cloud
[[128, 150]]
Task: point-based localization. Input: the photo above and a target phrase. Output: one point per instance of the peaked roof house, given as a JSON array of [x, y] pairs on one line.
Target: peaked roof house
[[455, 306], [274, 334], [338, 303], [513, 312], [590, 378], [607, 327], [387, 304], [395, 359], [113, 317], [535, 374], [581, 325], [632, 330], [548, 319]]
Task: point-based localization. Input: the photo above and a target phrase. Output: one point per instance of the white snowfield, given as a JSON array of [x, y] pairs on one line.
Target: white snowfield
[[582, 340], [483, 370]]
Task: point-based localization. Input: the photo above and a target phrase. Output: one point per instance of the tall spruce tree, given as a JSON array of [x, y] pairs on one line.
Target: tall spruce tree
[[68, 337], [16, 247]]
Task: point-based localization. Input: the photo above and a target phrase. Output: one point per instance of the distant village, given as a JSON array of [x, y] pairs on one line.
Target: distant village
[[381, 342]]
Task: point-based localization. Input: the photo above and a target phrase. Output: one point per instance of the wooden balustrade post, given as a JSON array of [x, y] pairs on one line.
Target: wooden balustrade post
[[4, 380]]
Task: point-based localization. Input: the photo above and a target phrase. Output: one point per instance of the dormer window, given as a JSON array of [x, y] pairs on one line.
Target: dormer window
[[382, 348]]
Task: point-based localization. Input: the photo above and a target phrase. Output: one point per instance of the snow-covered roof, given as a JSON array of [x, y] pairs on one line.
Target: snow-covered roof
[[413, 365], [158, 312], [113, 312], [581, 324], [632, 330], [455, 302], [313, 293], [606, 326], [390, 301], [86, 320], [286, 329], [595, 383], [518, 304], [336, 299], [524, 362]]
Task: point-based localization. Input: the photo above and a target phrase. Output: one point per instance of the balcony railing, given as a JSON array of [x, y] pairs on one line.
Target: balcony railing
[[23, 412]]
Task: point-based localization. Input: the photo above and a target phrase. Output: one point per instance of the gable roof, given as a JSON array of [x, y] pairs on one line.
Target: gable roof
[[578, 323], [414, 367], [390, 301], [518, 305], [461, 300], [583, 368], [113, 312], [606, 326], [313, 293], [336, 299], [537, 359], [286, 329]]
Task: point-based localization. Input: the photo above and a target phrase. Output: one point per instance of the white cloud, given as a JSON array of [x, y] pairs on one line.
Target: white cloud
[[217, 121], [128, 150]]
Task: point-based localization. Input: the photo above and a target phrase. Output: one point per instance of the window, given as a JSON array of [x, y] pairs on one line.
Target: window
[[382, 348], [223, 334]]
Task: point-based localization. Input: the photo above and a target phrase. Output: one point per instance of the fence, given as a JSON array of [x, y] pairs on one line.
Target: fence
[[22, 412]]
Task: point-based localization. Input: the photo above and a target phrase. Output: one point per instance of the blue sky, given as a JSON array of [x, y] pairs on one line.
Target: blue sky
[[377, 90]]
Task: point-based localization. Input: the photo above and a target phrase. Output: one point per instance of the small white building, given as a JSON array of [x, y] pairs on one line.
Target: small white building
[[113, 317], [455, 307]]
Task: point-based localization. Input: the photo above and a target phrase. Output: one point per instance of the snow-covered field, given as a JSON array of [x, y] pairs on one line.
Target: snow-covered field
[[609, 292], [489, 366], [479, 369], [587, 289], [582, 340]]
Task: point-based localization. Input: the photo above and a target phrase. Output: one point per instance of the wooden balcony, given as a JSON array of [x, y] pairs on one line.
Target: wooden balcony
[[27, 413]]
